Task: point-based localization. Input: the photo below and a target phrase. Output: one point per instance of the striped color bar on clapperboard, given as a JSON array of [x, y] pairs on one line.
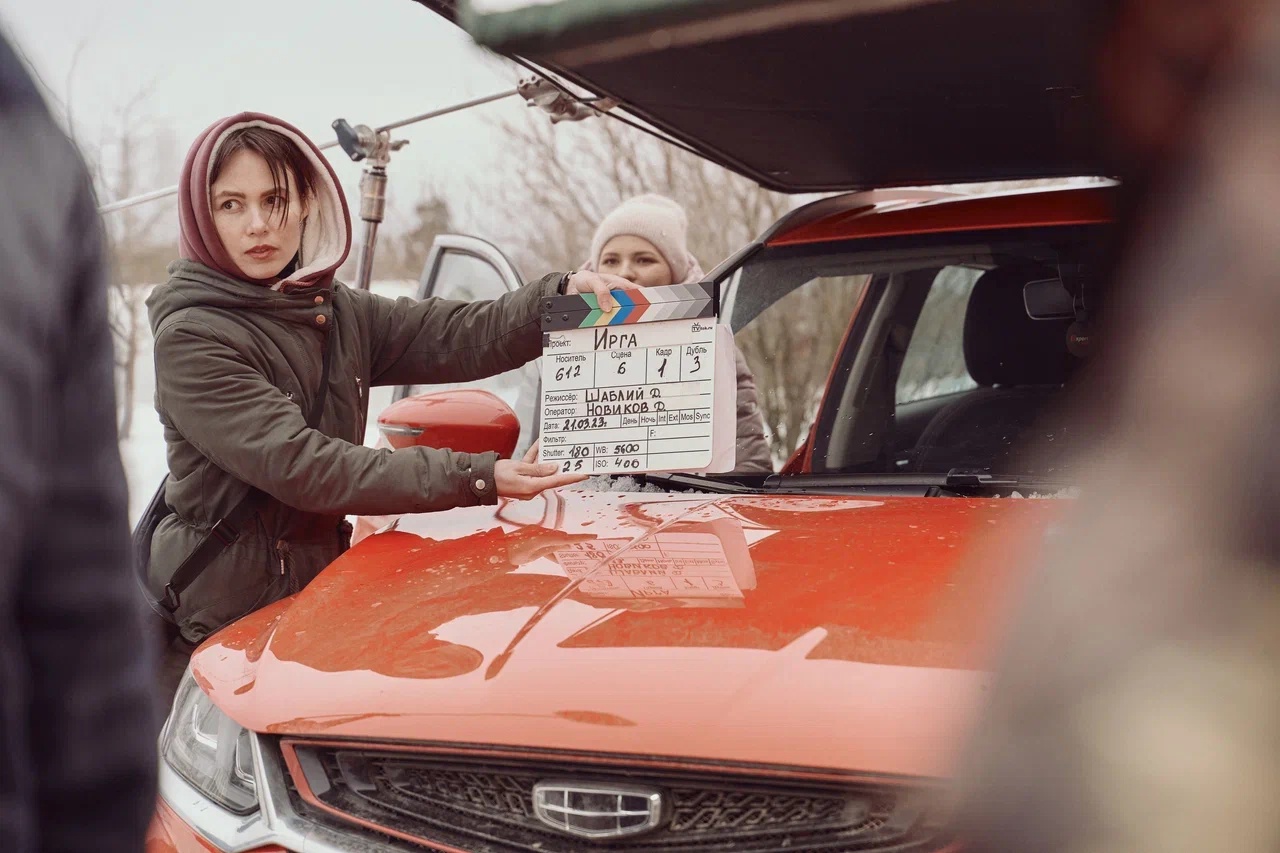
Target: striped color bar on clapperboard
[[647, 305]]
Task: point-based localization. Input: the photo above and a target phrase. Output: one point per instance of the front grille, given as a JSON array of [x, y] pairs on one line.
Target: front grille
[[491, 793], [718, 812], [483, 805]]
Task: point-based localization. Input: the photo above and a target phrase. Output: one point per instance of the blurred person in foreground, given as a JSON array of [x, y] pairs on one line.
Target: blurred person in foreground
[[77, 751], [646, 241], [1137, 708], [263, 368]]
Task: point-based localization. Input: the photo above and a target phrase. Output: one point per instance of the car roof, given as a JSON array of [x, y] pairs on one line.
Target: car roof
[[887, 94], [891, 213]]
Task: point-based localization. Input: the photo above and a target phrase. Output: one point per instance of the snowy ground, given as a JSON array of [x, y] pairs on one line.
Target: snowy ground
[[143, 450]]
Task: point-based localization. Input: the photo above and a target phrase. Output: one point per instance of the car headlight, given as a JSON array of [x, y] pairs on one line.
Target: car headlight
[[210, 750]]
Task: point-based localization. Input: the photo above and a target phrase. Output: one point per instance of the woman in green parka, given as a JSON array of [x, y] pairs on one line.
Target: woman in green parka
[[240, 333]]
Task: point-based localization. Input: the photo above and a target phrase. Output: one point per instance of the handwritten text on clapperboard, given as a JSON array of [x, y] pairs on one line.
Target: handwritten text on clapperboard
[[629, 397]]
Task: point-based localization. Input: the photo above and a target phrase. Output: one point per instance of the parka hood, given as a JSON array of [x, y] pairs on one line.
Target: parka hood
[[326, 238]]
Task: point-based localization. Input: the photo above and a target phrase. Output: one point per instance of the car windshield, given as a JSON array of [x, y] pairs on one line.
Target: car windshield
[[910, 362]]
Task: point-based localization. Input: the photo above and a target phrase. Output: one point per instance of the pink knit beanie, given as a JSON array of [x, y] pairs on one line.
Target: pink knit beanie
[[657, 219]]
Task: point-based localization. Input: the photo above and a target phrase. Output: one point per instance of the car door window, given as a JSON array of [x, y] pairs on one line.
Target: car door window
[[467, 276], [789, 340]]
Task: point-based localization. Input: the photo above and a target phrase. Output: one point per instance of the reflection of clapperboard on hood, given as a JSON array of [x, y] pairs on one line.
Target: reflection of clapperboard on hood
[[688, 563], [648, 386]]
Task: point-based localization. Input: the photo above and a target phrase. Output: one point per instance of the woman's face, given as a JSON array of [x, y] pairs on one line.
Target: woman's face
[[636, 260], [247, 210]]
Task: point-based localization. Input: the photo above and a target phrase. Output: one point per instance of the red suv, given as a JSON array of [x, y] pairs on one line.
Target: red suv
[[675, 663]]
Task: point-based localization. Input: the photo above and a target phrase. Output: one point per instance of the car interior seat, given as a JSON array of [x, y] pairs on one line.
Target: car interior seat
[[1020, 366]]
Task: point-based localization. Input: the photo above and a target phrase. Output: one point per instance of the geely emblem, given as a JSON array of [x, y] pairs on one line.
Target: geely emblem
[[597, 811]]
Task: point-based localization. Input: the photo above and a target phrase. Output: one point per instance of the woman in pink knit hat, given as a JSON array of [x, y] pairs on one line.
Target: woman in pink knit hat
[[645, 240]]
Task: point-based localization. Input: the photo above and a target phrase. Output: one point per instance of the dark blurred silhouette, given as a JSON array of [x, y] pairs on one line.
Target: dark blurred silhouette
[[77, 720], [1137, 707]]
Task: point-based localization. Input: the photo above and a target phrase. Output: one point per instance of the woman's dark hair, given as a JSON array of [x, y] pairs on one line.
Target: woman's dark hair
[[284, 158]]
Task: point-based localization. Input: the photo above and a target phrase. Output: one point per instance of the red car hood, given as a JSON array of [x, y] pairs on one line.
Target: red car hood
[[818, 632]]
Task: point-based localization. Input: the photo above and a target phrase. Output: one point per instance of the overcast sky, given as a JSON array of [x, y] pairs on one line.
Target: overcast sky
[[308, 61]]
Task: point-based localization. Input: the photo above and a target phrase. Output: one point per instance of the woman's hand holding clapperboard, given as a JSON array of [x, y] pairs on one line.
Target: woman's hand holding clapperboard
[[527, 478]]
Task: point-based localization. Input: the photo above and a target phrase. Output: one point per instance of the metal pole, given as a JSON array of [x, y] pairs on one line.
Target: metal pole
[[134, 201], [155, 195], [465, 105], [373, 199], [366, 254]]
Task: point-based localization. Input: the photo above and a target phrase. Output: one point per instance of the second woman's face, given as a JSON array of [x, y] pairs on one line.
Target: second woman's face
[[637, 260], [248, 210]]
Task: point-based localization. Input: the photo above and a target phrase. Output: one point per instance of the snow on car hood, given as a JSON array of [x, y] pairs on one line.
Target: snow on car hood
[[819, 632]]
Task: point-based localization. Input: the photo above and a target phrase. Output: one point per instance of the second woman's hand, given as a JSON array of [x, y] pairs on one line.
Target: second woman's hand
[[599, 283], [523, 480]]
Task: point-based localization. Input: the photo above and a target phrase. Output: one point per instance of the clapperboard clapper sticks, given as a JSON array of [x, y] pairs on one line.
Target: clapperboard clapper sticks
[[648, 386]]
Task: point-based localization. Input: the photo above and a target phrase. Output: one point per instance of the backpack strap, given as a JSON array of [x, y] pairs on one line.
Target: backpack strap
[[228, 528]]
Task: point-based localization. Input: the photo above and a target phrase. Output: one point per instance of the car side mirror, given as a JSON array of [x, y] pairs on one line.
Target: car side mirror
[[467, 420]]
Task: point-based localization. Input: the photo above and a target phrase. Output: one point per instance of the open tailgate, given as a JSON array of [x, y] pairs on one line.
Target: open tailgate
[[827, 95]]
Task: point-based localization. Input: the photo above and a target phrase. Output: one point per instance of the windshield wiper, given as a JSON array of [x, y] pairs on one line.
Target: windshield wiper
[[959, 478], [717, 483], [956, 481]]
